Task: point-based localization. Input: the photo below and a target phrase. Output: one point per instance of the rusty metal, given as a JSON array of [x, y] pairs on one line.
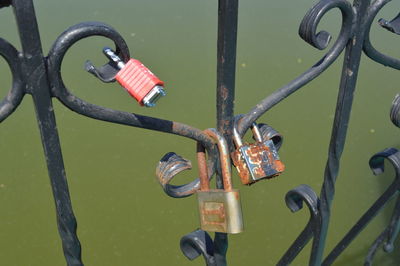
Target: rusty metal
[[223, 157], [256, 161], [261, 162], [202, 164], [220, 209]]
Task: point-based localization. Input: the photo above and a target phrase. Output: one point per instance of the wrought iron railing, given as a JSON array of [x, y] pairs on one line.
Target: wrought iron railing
[[40, 76]]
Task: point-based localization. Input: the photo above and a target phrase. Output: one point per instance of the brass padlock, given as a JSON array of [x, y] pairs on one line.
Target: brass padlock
[[256, 161], [220, 210]]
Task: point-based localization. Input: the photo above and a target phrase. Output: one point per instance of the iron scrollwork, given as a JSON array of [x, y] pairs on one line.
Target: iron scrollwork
[[11, 101], [42, 79], [40, 76]]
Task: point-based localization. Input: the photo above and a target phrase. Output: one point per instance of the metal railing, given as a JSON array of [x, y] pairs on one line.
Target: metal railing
[[40, 76]]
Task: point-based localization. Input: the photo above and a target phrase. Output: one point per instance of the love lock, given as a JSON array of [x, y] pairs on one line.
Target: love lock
[[256, 161], [220, 209], [137, 79]]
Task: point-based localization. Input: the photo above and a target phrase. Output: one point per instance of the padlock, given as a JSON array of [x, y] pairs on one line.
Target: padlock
[[256, 161], [137, 79], [220, 209]]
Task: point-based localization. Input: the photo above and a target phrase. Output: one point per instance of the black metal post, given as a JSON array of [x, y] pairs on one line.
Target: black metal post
[[35, 75], [348, 81], [226, 68]]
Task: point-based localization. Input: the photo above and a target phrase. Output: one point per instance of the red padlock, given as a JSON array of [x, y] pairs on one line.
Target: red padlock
[[137, 79]]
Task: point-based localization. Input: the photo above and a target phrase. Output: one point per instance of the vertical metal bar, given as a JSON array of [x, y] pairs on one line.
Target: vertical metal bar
[[342, 116], [226, 67], [226, 64], [35, 72]]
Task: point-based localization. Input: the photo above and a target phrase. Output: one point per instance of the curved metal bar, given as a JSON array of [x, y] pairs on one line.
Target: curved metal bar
[[14, 97], [374, 247], [268, 132], [170, 165], [224, 158], [387, 237], [307, 32], [393, 228], [198, 243], [369, 50], [54, 60], [203, 168], [377, 166], [395, 111], [294, 200], [377, 161]]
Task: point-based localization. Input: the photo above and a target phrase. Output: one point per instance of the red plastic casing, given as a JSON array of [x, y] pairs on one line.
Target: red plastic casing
[[137, 79]]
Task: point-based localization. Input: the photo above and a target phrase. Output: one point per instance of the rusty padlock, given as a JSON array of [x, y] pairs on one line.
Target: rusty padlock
[[220, 210], [256, 161]]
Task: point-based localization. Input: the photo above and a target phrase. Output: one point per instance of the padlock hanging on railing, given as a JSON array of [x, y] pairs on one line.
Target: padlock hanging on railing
[[256, 161], [220, 209], [137, 79]]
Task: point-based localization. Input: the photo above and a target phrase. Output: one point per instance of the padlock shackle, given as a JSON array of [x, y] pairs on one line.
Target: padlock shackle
[[202, 165], [223, 157], [256, 132], [237, 139], [110, 54]]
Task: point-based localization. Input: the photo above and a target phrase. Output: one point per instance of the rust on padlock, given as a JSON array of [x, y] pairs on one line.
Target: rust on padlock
[[220, 209], [262, 159], [213, 216]]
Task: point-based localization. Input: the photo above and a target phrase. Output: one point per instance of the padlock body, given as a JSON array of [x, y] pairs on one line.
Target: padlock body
[[220, 211], [257, 161], [137, 79]]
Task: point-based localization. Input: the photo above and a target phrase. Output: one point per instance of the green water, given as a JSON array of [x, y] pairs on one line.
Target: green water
[[124, 218]]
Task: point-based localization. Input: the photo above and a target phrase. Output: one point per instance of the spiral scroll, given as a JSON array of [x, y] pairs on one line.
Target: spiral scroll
[[319, 40], [198, 243], [390, 233], [171, 164], [369, 49], [294, 200], [59, 90], [14, 97], [377, 166], [269, 132], [395, 111]]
